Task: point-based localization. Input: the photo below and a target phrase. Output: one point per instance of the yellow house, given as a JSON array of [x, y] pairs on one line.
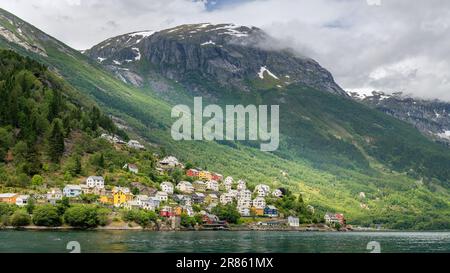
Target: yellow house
[[205, 175], [257, 211], [106, 199], [121, 196]]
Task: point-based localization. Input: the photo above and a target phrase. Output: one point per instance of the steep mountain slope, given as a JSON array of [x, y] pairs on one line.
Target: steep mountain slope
[[432, 118], [232, 56], [331, 147]]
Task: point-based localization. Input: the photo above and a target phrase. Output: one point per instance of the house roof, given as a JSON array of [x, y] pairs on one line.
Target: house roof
[[96, 177], [7, 195], [73, 187], [271, 207]]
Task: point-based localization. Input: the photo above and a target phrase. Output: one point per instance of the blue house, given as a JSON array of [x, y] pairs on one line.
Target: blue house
[[270, 211]]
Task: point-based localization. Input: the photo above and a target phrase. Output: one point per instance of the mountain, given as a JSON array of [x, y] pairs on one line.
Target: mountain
[[431, 117], [230, 56], [331, 147]]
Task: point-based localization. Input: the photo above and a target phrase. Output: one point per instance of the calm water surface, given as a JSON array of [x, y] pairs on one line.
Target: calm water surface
[[222, 241]]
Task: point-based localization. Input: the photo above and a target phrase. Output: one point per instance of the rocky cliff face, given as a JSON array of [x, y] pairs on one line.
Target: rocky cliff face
[[230, 56], [431, 117]]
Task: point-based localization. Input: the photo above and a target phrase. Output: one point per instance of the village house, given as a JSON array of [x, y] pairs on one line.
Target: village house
[[72, 191], [262, 190], [210, 219], [112, 139], [121, 195], [334, 218], [107, 198], [167, 187], [143, 189], [293, 221], [277, 193], [22, 200], [53, 195], [257, 211], [241, 185], [244, 203], [244, 211], [244, 194], [177, 211], [216, 176], [211, 199], [133, 168], [162, 196], [185, 187], [198, 198], [188, 210], [133, 204], [205, 175], [226, 198], [95, 182], [212, 185], [270, 211], [135, 145], [234, 193], [170, 162], [181, 199], [199, 186], [259, 202], [151, 203], [9, 198], [192, 173], [228, 183], [166, 211], [140, 199]]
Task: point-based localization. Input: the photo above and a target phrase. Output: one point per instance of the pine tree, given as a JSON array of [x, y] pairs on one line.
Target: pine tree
[[56, 141]]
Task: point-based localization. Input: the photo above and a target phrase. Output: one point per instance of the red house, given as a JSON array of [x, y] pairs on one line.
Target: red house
[[341, 218], [166, 212], [217, 177], [192, 173]]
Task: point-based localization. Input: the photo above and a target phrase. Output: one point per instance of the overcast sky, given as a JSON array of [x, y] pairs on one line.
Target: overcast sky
[[388, 45]]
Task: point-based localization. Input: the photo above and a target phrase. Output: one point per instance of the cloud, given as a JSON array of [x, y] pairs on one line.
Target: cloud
[[395, 45]]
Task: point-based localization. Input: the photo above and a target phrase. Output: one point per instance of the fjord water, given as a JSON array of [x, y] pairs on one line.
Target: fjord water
[[225, 242]]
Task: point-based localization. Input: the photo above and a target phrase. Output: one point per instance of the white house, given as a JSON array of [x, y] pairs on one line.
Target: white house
[[245, 194], [293, 221], [95, 182], [241, 185], [259, 202], [244, 211], [277, 193], [262, 190], [226, 198], [228, 183], [185, 187], [135, 145], [54, 194], [22, 200], [72, 191], [233, 193], [131, 168], [151, 204], [133, 204], [189, 210], [212, 185], [162, 196], [141, 199], [169, 162], [167, 187]]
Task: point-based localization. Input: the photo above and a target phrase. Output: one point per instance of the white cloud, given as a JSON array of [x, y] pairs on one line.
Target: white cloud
[[398, 45]]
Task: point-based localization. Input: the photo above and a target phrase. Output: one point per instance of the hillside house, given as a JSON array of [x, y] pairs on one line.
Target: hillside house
[[167, 187], [53, 195], [270, 211], [132, 168], [185, 187], [259, 202], [22, 200], [211, 199], [192, 173], [199, 186], [169, 162], [334, 218], [95, 182], [151, 204], [216, 176], [244, 211], [166, 211], [226, 198], [198, 198], [212, 185], [257, 211], [241, 185], [134, 144], [121, 195], [277, 193], [262, 190], [205, 175], [162, 196], [72, 191], [228, 183]]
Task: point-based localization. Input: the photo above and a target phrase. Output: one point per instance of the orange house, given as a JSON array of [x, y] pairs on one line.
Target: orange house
[[258, 211], [9, 198]]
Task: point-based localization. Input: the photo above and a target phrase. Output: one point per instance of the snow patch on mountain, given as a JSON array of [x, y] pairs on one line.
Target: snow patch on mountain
[[264, 69]]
